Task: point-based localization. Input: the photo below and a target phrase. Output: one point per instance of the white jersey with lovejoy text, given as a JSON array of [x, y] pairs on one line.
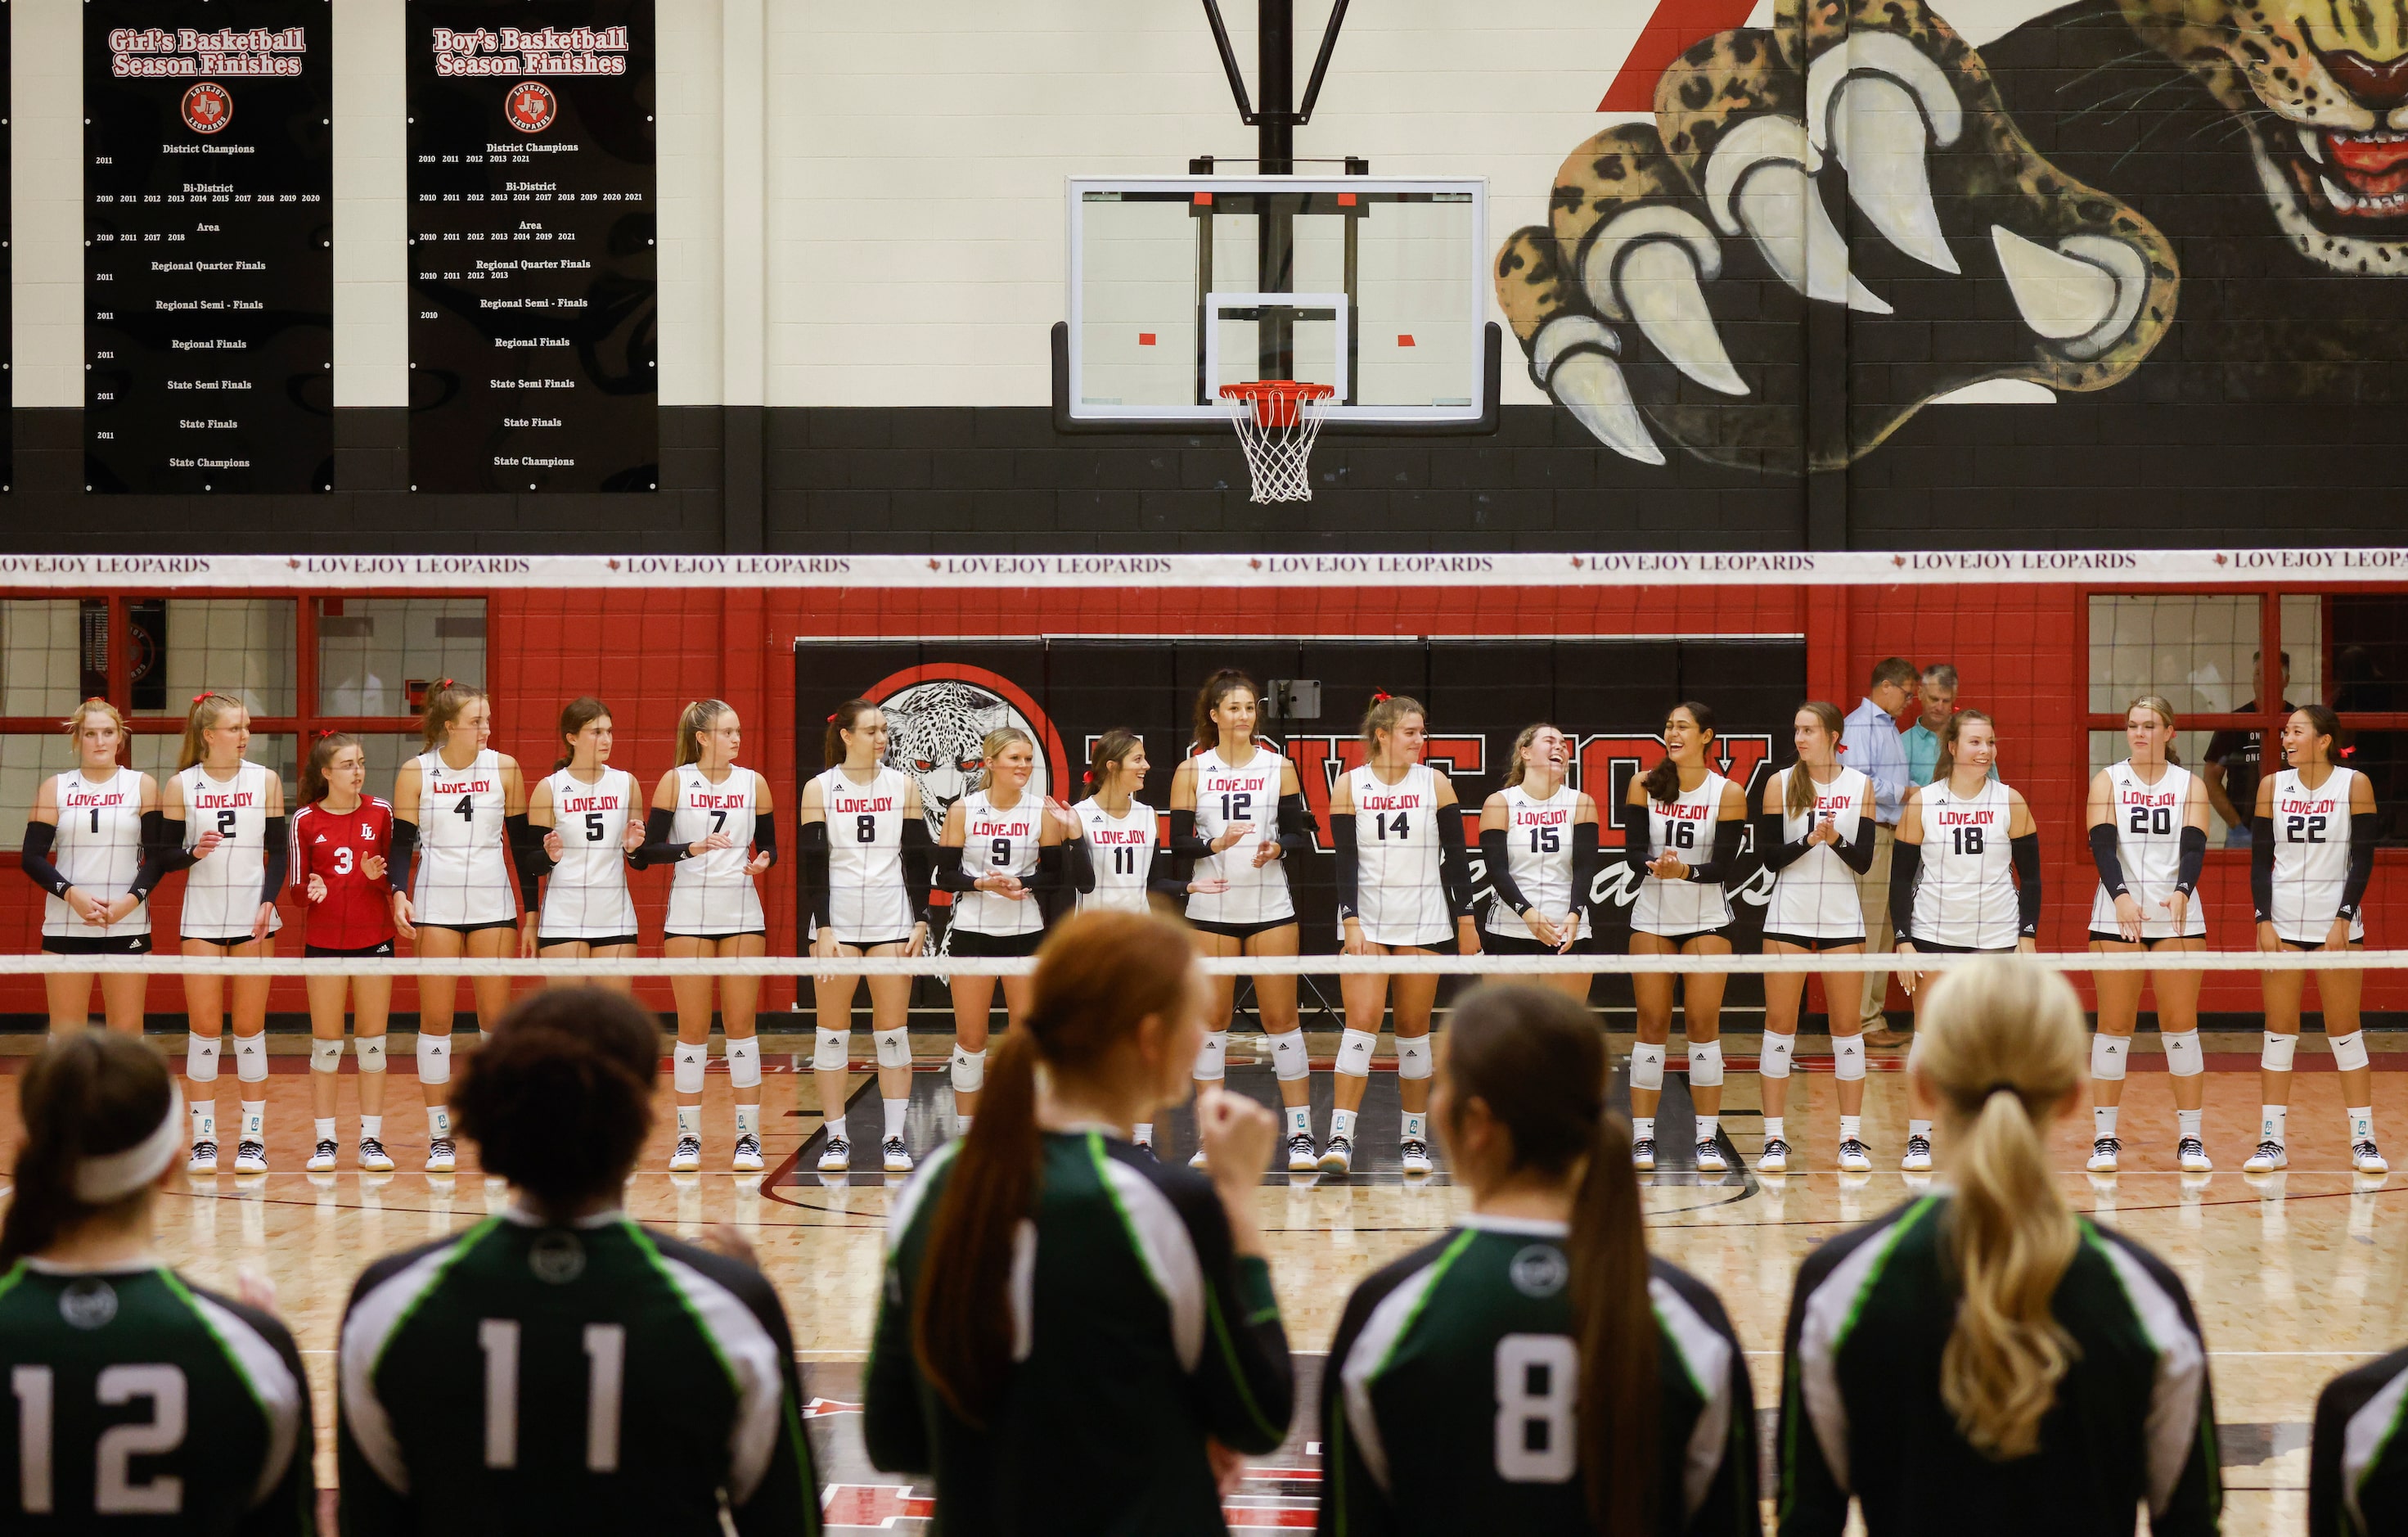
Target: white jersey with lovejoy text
[[1120, 851], [222, 893], [1815, 895], [712, 895], [463, 875], [585, 895], [1231, 795], [868, 903], [999, 840], [1964, 894], [99, 847], [1683, 828], [2311, 855], [1398, 891], [1539, 857], [2148, 822]]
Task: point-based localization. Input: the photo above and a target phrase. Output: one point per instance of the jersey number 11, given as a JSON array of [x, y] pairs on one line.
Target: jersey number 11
[[606, 1357]]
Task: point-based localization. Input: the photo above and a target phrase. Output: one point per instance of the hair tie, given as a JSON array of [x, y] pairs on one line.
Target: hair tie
[[2350, 749], [1844, 747], [324, 733], [2002, 1087], [445, 683], [203, 695], [1379, 698]]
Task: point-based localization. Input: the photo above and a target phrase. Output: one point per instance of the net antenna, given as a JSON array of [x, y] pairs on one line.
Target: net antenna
[[1277, 420]]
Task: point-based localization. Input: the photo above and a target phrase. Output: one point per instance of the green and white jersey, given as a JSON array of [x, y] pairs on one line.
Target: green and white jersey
[[1136, 1334], [2134, 1422], [522, 1378], [138, 1402], [2358, 1464], [1450, 1402]]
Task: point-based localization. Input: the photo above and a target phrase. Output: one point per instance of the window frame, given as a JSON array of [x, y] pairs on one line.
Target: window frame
[[303, 725]]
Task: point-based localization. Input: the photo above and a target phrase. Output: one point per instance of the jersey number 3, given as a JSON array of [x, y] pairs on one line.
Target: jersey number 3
[[114, 1493], [1538, 1380]]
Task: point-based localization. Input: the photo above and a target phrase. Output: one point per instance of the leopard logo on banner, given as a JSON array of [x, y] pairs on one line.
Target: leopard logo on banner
[[937, 717], [208, 107], [531, 106]]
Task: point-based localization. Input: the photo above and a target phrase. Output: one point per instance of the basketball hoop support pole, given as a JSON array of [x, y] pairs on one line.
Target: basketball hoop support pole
[[1275, 155]]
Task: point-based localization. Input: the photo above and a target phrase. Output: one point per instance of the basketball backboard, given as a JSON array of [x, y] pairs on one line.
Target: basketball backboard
[[1374, 286]]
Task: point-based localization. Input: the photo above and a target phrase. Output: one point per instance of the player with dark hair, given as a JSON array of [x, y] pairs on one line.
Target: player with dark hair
[[136, 1400], [1054, 1298], [1533, 1370], [582, 829], [560, 1368], [1686, 853], [1404, 888], [866, 864], [1539, 846], [2310, 856], [1984, 1359], [341, 840]]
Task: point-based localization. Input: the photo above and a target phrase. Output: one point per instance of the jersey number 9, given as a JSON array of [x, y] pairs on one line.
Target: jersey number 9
[[1538, 1381], [114, 1493]]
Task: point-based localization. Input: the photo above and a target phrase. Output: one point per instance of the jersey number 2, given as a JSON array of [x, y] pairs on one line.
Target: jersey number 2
[[605, 1362], [113, 1492], [1538, 1380]]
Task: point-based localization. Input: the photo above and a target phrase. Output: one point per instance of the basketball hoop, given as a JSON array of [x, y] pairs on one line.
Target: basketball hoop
[[1277, 420]]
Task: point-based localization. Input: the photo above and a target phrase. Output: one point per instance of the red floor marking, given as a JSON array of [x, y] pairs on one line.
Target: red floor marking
[[873, 1506]]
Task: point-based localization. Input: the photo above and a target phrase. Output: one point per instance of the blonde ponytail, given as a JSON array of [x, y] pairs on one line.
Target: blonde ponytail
[[2002, 1049]]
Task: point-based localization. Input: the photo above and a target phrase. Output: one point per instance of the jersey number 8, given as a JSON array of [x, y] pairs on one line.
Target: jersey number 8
[[865, 828], [1538, 1381], [114, 1493]]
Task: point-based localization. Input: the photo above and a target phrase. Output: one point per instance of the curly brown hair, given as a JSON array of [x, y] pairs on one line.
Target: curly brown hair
[[560, 1100]]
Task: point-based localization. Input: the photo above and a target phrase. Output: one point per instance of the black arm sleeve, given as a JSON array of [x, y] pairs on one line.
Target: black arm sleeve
[[1905, 864], [526, 852], [919, 867], [1052, 873], [162, 851], [1167, 875], [2193, 845], [950, 874], [2361, 865], [657, 848], [1858, 853], [1723, 865], [40, 838], [764, 836], [1453, 861], [277, 861], [1498, 867], [1635, 843], [1078, 865], [2261, 866], [2102, 853], [2025, 851], [1586, 861], [1342, 832], [1184, 840], [1296, 828], [405, 848], [1777, 852], [812, 838]]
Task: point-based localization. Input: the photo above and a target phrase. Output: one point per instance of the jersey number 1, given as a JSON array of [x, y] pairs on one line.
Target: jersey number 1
[[1538, 1380], [113, 1493], [606, 1360]]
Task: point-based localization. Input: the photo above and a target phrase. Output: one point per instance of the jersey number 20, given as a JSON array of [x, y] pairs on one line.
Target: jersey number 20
[[2158, 820], [1538, 1381], [113, 1493]]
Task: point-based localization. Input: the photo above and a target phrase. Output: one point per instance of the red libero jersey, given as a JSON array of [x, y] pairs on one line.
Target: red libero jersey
[[335, 847]]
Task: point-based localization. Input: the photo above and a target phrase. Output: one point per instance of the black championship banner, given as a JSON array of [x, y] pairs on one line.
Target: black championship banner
[[208, 252], [534, 320], [941, 698], [8, 250]]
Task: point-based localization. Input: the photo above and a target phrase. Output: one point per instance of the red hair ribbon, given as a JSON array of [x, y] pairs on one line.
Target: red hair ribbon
[[445, 683], [2347, 751], [1844, 747], [203, 695], [1379, 698], [831, 716], [324, 733]]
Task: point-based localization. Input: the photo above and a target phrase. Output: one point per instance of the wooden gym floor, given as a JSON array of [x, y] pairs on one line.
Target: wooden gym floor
[[2297, 1276]]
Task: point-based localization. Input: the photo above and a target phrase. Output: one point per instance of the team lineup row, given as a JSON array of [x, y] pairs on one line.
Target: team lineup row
[[1981, 1359], [1963, 875]]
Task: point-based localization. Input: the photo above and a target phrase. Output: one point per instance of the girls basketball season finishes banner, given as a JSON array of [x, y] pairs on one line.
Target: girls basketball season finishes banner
[[534, 328], [209, 246]]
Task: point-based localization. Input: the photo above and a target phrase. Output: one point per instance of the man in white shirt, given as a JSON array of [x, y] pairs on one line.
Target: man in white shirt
[[1874, 749]]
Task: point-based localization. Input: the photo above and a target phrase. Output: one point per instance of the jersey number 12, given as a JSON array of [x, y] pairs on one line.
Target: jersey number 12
[[114, 1493]]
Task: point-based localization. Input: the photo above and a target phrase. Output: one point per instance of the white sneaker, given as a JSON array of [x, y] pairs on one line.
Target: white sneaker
[[1338, 1157], [1918, 1155], [1710, 1157], [2366, 1160], [2269, 1157], [204, 1159], [1775, 1158], [835, 1158], [747, 1157], [323, 1157], [1301, 1159], [2103, 1154], [1642, 1154], [1414, 1154], [373, 1157], [439, 1156], [896, 1155], [688, 1156], [2192, 1155], [1855, 1157], [251, 1157]]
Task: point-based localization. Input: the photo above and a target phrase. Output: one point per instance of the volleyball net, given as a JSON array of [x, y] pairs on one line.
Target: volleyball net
[[2051, 646]]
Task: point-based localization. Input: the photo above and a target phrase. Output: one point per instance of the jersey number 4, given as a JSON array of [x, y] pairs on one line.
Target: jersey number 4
[[113, 1493], [1538, 1380], [606, 1361]]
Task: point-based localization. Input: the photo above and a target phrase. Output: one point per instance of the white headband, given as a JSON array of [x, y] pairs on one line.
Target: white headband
[[113, 1176]]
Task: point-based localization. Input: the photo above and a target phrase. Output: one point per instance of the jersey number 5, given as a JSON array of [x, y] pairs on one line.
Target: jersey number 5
[[605, 1362], [1538, 1380], [113, 1493]]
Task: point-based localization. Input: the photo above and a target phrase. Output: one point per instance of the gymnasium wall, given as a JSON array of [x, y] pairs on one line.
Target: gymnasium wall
[[861, 256]]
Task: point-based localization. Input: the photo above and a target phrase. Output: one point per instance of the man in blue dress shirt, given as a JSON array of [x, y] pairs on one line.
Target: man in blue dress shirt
[[1874, 749]]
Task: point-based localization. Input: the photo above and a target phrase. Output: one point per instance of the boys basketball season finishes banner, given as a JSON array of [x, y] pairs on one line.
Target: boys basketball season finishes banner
[[534, 327], [208, 253]]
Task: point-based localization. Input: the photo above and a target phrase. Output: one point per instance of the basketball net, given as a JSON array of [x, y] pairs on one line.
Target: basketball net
[[1277, 420]]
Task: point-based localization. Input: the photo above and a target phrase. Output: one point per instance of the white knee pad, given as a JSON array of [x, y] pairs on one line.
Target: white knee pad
[[1848, 1058], [2107, 1055], [326, 1056], [969, 1071], [2183, 1058], [1289, 1060], [1414, 1056], [1646, 1067], [1706, 1065], [1354, 1049], [894, 1046], [2349, 1051], [828, 1051], [371, 1050], [744, 1062], [1213, 1058], [1773, 1062], [1914, 1050], [2279, 1049], [434, 1058], [201, 1058], [685, 1069], [250, 1058]]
